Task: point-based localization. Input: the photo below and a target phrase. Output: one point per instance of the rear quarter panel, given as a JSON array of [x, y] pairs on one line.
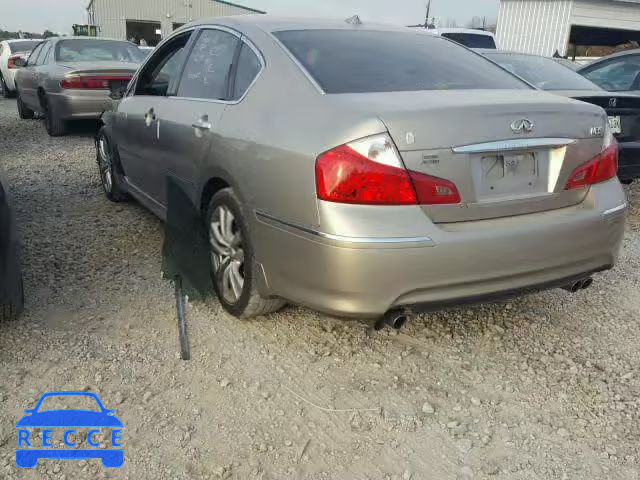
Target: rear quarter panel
[[270, 140]]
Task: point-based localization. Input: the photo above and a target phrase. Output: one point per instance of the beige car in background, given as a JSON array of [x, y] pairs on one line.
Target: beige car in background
[[68, 78]]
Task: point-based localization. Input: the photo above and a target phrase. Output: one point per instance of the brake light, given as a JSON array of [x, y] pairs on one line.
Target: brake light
[[92, 82], [370, 172], [11, 62], [599, 169]]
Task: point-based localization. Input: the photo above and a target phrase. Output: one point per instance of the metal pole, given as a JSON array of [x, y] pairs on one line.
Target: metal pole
[[182, 320]]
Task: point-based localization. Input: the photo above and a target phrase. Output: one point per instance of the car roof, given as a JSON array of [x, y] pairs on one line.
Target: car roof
[[623, 53], [270, 23]]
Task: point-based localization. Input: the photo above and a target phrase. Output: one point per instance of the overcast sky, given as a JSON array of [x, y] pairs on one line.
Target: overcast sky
[[59, 15]]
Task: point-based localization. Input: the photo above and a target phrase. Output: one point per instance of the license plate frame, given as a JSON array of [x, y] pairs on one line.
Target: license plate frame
[[615, 124]]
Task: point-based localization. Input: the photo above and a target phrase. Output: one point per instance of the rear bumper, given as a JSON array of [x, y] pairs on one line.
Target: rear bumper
[[80, 104], [469, 261], [629, 161]]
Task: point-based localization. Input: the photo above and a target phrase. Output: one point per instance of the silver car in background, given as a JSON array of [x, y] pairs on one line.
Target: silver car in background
[[68, 78], [360, 169]]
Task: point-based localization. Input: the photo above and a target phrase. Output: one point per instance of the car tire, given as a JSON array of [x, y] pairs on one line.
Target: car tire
[[109, 169], [6, 93], [24, 112], [234, 268], [11, 311], [56, 127]]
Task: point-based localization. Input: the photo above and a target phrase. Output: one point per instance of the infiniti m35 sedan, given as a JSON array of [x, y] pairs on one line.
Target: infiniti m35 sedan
[[361, 169]]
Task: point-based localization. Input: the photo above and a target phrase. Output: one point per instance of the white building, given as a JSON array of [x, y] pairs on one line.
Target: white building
[[152, 20], [546, 26]]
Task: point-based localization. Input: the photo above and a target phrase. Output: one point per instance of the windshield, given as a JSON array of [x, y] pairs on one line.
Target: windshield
[[23, 45], [64, 402], [97, 50], [361, 61], [472, 40], [542, 72]]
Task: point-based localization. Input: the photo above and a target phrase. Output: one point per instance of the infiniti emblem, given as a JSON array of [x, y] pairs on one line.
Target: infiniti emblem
[[522, 126], [613, 102]]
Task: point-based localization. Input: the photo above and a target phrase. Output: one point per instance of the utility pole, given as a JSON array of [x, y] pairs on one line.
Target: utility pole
[[426, 20]]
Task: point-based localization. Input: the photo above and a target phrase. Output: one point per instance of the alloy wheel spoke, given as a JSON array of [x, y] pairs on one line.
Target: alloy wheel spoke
[[218, 235], [235, 278]]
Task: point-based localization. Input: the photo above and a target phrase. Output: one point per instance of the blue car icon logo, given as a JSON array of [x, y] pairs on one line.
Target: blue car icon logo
[[30, 450]]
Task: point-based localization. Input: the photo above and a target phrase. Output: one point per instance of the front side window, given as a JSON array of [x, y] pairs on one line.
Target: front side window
[[620, 74], [34, 55], [248, 68], [362, 61], [93, 50], [206, 73], [162, 68]]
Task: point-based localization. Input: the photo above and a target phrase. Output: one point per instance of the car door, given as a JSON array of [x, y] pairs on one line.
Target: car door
[[139, 123], [27, 80], [620, 74], [40, 70], [193, 114]]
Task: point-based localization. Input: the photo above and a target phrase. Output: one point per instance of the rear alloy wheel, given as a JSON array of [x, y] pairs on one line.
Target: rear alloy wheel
[[107, 160], [232, 259], [24, 112], [56, 127]]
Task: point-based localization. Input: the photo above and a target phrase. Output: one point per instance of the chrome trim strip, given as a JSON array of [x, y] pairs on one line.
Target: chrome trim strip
[[514, 144], [613, 210], [423, 241]]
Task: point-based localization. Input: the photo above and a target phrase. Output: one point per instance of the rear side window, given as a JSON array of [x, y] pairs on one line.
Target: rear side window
[[206, 73], [360, 61], [43, 54], [248, 68]]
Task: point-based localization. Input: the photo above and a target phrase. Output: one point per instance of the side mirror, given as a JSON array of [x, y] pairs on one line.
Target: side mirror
[[20, 62]]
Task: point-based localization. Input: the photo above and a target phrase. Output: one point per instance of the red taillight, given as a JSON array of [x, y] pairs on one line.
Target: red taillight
[[370, 172], [92, 82], [603, 167], [434, 190], [11, 62]]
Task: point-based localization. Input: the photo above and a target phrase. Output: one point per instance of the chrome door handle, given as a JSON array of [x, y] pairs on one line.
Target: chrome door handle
[[203, 123]]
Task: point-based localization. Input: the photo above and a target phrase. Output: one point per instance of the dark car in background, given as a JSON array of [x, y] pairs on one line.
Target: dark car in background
[[623, 109], [11, 289], [68, 78], [619, 72]]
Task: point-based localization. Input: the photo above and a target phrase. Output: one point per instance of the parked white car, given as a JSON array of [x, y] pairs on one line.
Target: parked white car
[[10, 51]]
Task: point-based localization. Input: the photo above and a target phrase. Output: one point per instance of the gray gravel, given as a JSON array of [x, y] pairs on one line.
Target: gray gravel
[[546, 386]]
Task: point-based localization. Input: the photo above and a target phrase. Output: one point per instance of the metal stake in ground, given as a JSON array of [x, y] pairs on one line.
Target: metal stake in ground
[[185, 256]]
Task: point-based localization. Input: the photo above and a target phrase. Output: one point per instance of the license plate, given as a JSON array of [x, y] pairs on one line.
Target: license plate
[[615, 125], [505, 166]]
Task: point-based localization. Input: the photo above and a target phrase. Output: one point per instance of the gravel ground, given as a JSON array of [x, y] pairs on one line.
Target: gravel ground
[[546, 386]]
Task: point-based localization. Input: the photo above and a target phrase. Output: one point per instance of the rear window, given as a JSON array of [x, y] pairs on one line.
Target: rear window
[[97, 50], [23, 45], [543, 72], [472, 40], [362, 61]]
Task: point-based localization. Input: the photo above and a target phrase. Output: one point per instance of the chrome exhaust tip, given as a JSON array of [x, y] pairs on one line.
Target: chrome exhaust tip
[[395, 319]]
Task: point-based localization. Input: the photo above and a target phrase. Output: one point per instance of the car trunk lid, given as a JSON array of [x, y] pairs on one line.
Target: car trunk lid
[[466, 137]]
